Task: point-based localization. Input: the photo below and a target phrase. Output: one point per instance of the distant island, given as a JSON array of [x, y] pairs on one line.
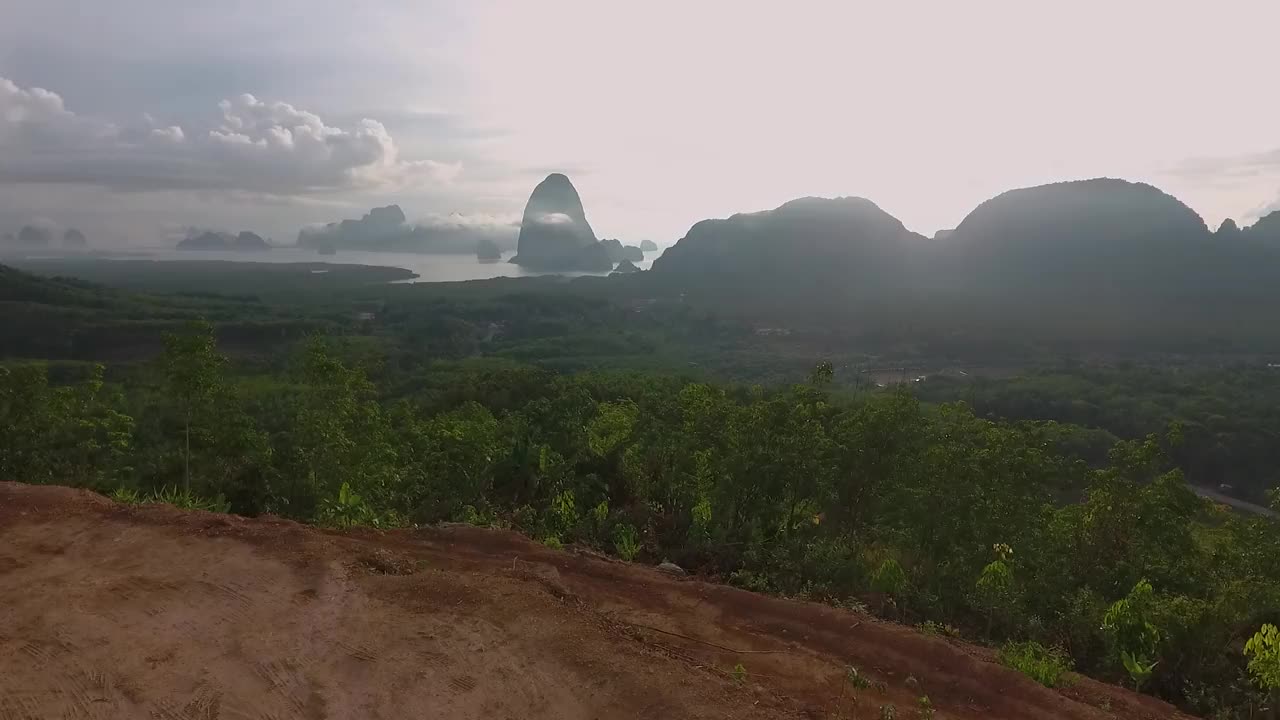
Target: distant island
[[33, 237], [387, 229], [74, 239], [488, 251], [213, 240]]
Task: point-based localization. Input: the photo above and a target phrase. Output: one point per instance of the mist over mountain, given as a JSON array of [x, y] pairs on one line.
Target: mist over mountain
[[388, 229]]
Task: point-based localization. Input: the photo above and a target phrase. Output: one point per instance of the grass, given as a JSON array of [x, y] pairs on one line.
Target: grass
[[1047, 666], [184, 499]]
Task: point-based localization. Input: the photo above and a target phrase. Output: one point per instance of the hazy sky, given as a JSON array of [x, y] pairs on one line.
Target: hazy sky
[[134, 118]]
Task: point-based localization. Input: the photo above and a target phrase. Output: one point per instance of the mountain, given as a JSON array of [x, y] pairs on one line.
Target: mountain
[[804, 241], [387, 229], [249, 241], [648, 246], [1083, 234], [73, 238], [34, 237], [1265, 230], [619, 252], [1228, 230], [626, 266], [554, 232]]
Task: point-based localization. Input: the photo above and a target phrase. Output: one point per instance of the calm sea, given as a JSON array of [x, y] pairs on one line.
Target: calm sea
[[430, 268]]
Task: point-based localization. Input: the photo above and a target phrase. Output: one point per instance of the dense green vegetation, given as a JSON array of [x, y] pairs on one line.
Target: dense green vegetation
[[1229, 416], [921, 512]]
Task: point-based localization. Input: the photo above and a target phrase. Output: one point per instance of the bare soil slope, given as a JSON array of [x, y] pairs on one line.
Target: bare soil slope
[[110, 611]]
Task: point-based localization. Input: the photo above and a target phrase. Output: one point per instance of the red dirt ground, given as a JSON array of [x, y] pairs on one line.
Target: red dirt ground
[[111, 611]]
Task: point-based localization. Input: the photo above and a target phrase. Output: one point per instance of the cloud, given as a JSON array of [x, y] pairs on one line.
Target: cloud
[[256, 146], [552, 219], [1242, 166]]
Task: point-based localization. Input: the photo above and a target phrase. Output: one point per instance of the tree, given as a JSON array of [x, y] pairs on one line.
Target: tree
[[193, 378], [890, 580], [994, 589], [1133, 636], [339, 434]]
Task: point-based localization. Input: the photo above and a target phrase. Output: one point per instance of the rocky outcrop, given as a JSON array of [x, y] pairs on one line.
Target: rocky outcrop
[[592, 258], [619, 252], [625, 267], [554, 232], [1228, 230], [74, 239], [648, 246]]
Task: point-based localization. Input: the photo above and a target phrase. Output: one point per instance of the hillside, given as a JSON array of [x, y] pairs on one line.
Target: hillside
[[115, 611]]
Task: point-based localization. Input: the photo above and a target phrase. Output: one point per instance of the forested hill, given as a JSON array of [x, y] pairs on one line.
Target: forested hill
[[810, 240], [19, 286], [1086, 234]]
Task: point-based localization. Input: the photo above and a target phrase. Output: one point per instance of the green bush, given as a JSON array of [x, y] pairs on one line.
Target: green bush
[[625, 542], [1046, 666]]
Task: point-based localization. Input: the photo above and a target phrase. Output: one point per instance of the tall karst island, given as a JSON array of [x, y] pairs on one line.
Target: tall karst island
[[555, 234]]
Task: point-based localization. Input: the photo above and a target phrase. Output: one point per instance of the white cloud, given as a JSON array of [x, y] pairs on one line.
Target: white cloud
[[256, 146], [553, 219]]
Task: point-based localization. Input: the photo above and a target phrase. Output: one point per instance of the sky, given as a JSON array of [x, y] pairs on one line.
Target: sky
[[135, 119]]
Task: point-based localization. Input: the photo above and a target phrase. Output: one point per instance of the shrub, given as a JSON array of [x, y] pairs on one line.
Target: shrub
[[1044, 665], [1263, 651], [626, 543]]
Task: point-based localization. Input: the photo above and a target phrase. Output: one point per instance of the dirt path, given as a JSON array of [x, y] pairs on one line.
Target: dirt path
[[109, 611]]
